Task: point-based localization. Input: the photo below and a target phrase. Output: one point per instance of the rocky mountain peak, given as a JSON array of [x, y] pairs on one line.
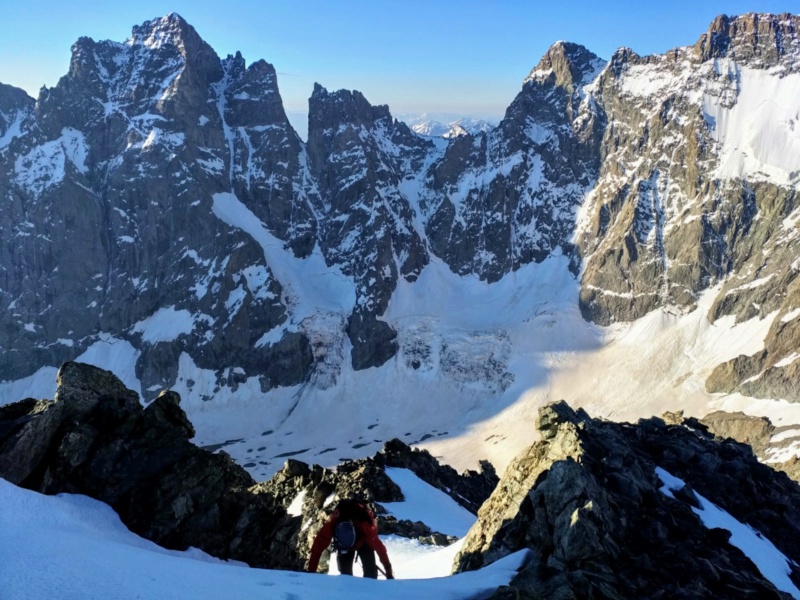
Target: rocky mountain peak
[[163, 68], [327, 111], [12, 98], [169, 30], [571, 65], [621, 58], [15, 104], [756, 39], [163, 164], [252, 95]]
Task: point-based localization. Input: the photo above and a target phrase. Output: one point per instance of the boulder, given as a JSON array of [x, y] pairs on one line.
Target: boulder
[[96, 439]]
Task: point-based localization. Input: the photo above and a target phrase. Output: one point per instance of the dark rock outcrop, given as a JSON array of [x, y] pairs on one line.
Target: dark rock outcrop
[[96, 439], [767, 441], [588, 500]]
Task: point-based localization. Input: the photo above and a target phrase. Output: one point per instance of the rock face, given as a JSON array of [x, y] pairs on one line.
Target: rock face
[[753, 431], [772, 445], [506, 198], [360, 155], [96, 439], [204, 234], [677, 206], [588, 501]]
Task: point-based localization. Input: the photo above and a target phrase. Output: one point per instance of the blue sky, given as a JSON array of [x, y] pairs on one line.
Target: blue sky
[[463, 57]]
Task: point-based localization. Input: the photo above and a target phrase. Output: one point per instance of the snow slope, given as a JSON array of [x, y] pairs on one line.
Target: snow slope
[[75, 548], [476, 362], [758, 135], [428, 504]]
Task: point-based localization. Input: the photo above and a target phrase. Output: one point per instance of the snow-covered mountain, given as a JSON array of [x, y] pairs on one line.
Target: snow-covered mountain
[[446, 126], [626, 237]]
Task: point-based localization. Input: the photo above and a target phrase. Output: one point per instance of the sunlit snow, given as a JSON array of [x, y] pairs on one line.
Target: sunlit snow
[[428, 504], [310, 285], [758, 135]]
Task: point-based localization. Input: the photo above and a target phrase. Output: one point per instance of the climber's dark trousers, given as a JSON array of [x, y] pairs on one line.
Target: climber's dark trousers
[[367, 557]]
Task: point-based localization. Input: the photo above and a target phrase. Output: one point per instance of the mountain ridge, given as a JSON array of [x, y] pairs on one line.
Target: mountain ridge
[[214, 251]]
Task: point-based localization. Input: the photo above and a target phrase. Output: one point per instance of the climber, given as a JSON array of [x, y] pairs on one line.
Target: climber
[[353, 530]]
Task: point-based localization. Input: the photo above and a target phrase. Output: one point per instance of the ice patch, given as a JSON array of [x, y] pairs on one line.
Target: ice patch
[[644, 81], [117, 356], [211, 165], [40, 385], [257, 278], [759, 136], [14, 130], [788, 360], [537, 133], [790, 316], [784, 435], [235, 301], [171, 141], [753, 284], [165, 325], [296, 507], [310, 286]]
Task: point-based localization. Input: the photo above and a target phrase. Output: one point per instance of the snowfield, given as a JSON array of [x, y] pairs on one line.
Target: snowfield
[[72, 547]]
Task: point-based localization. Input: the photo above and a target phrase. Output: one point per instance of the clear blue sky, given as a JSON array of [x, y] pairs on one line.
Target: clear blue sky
[[466, 56]]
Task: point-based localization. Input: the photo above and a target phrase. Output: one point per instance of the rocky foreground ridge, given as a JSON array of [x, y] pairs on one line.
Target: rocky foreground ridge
[[588, 498], [588, 501], [193, 212]]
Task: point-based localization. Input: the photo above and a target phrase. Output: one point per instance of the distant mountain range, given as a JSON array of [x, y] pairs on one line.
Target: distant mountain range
[[626, 237], [446, 125]]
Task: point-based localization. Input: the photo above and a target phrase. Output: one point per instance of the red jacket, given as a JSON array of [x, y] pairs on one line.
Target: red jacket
[[366, 534]]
